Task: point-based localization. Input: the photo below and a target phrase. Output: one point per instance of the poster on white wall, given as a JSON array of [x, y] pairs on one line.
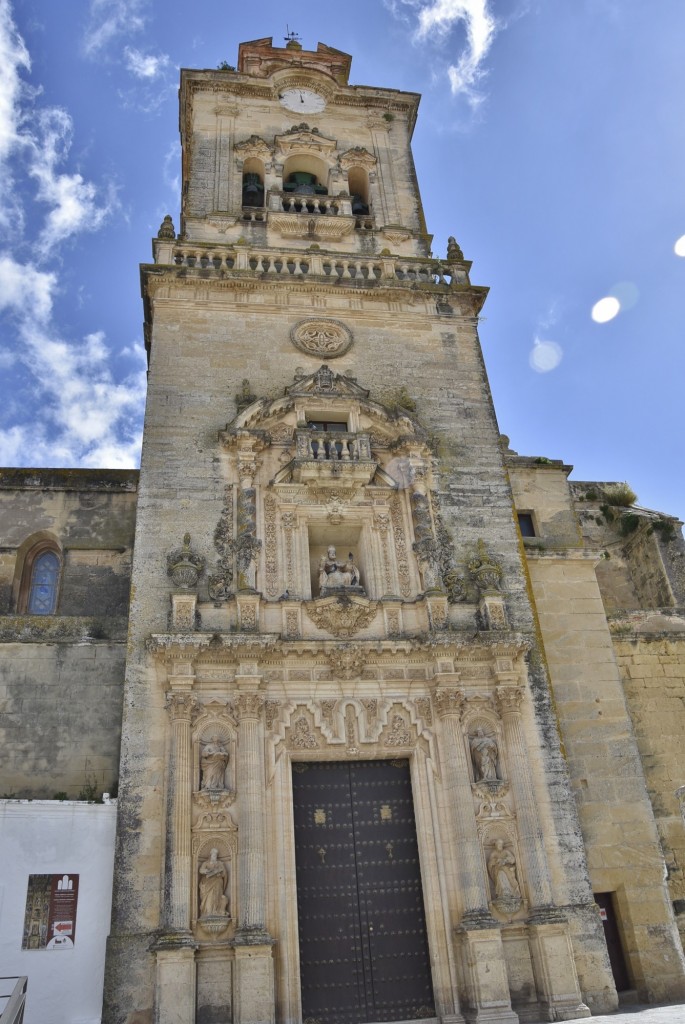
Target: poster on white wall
[[50, 918]]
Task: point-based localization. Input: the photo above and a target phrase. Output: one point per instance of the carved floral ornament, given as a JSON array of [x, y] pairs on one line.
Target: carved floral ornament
[[321, 336]]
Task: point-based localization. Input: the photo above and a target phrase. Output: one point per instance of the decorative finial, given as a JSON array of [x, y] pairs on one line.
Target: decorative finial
[[292, 40], [166, 228], [454, 253]]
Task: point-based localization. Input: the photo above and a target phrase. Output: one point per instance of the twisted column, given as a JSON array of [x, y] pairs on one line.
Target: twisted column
[[251, 843], [463, 830], [180, 706], [531, 840]]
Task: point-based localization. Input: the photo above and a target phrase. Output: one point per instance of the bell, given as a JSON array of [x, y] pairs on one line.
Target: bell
[[359, 207], [253, 190]]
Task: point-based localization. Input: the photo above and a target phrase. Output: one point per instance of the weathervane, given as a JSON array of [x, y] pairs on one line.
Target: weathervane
[[291, 38]]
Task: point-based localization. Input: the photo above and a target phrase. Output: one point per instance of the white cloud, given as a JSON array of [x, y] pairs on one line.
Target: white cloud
[[145, 65], [110, 19], [76, 204], [37, 142], [439, 18], [13, 58], [87, 416], [26, 290]]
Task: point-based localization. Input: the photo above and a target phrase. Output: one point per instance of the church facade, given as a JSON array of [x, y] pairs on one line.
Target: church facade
[[402, 709]]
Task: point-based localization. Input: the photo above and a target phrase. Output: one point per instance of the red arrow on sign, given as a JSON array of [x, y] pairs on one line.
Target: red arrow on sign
[[64, 926]]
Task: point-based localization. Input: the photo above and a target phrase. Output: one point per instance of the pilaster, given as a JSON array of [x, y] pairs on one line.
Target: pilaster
[[478, 938]]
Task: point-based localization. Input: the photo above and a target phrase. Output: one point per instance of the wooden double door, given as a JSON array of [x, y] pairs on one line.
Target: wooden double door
[[362, 930]]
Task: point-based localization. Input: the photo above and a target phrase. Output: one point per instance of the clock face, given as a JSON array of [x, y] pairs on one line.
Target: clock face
[[303, 101]]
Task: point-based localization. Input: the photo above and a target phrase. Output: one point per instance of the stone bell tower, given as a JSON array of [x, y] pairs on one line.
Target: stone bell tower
[[342, 794]]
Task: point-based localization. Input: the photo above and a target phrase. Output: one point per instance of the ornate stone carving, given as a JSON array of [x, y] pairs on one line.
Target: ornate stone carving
[[249, 705], [327, 709], [247, 546], [335, 573], [301, 737], [184, 566], [346, 661], [213, 901], [292, 625], [425, 545], [270, 545], [397, 734], [449, 702], [181, 705], [220, 582], [342, 616], [351, 729], [454, 253], [484, 755], [321, 336], [325, 382], [244, 397], [167, 229], [502, 871], [486, 573], [213, 762], [400, 546], [424, 709], [248, 617], [254, 147], [271, 712], [357, 157], [370, 705], [508, 699], [490, 799]]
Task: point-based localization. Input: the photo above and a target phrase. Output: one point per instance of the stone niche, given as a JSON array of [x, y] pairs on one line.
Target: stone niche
[[347, 539]]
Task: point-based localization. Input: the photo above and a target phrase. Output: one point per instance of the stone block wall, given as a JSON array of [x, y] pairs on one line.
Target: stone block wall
[[652, 669], [61, 675]]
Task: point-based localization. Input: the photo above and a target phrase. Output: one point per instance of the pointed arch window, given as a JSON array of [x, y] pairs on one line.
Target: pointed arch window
[[43, 584]]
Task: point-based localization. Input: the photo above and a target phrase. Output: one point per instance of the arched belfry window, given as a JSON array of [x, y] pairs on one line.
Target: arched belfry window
[[41, 582]]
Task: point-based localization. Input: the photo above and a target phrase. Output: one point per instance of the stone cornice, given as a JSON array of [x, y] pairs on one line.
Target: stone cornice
[[225, 648]]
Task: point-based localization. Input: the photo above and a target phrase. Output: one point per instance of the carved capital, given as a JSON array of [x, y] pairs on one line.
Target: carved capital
[[181, 706], [249, 705], [508, 699], [449, 702]]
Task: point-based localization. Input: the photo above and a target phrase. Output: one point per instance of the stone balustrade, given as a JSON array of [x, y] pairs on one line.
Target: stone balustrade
[[338, 446], [402, 271]]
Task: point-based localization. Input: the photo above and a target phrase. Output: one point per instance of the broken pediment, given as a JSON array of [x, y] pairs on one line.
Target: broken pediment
[[326, 382], [301, 138], [357, 157], [254, 147]]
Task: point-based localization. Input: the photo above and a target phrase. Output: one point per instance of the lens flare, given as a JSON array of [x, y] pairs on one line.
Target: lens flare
[[679, 247], [606, 309], [545, 356]]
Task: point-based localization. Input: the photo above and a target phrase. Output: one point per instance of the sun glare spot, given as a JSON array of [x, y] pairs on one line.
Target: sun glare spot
[[606, 309], [545, 356], [627, 294], [679, 247]]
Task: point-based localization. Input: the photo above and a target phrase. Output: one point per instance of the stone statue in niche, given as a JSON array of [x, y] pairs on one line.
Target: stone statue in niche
[[334, 573], [484, 756], [502, 871], [213, 881], [213, 763]]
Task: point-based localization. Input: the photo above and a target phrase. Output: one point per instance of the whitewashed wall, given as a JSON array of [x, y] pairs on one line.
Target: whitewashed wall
[[49, 837]]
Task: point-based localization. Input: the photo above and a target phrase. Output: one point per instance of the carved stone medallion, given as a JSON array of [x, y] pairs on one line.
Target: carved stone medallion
[[321, 336]]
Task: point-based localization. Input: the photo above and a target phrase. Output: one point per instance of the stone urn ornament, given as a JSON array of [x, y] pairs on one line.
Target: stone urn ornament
[[184, 566], [486, 573]]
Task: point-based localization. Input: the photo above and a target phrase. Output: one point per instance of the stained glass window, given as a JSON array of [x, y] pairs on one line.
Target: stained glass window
[[44, 579]]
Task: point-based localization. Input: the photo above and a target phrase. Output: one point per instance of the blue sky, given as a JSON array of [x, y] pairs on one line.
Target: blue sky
[[550, 142]]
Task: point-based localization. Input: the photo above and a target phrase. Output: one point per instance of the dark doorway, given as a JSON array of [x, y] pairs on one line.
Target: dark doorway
[[619, 968], [363, 947]]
